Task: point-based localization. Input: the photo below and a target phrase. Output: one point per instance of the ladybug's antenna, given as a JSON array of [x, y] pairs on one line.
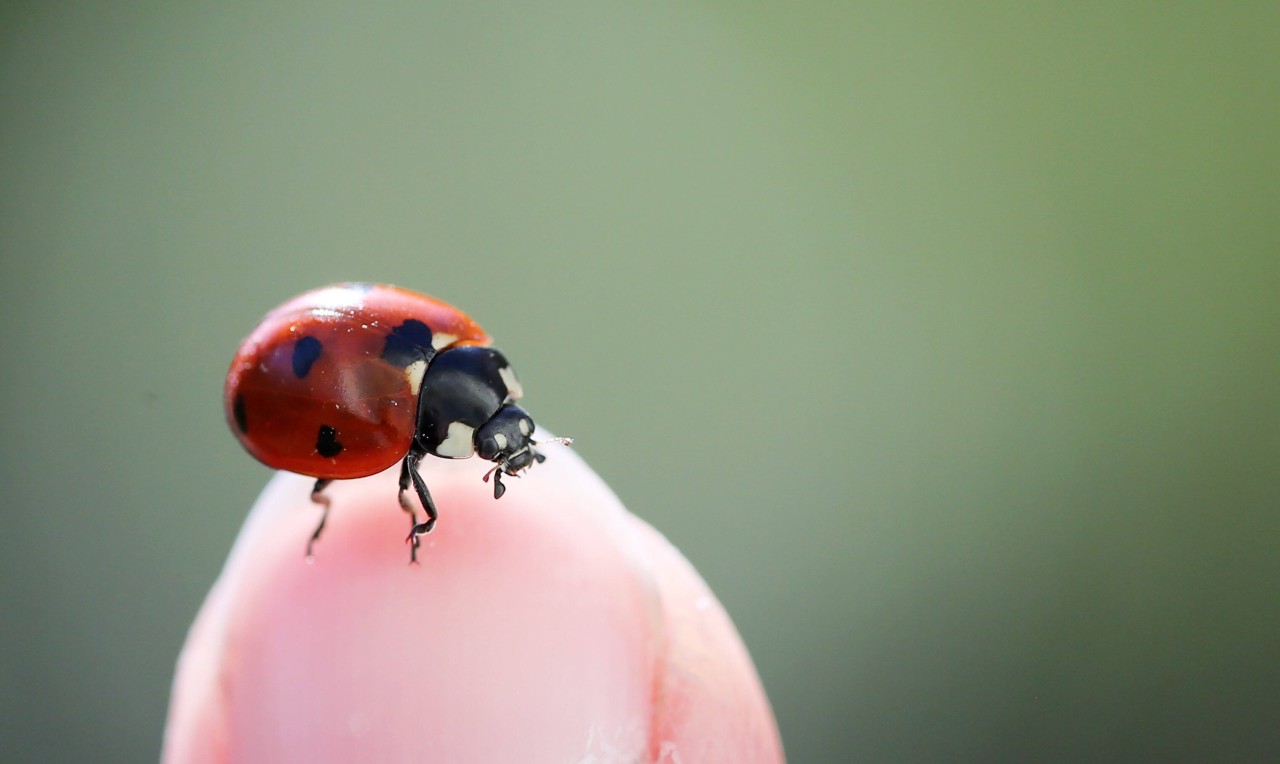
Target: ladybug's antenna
[[538, 456], [552, 441]]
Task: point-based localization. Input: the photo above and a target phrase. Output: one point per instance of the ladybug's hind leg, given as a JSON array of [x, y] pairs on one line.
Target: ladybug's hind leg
[[318, 496]]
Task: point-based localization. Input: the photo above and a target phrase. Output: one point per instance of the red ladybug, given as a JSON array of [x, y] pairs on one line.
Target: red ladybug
[[345, 381]]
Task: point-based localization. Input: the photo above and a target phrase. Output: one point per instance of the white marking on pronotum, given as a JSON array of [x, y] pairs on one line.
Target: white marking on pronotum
[[513, 385], [501, 440], [526, 427], [414, 373], [442, 340], [458, 442]]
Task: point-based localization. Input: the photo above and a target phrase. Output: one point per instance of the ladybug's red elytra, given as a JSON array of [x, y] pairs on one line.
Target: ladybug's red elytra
[[345, 381]]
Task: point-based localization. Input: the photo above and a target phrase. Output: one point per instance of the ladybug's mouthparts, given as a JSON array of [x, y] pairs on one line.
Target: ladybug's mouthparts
[[504, 464]]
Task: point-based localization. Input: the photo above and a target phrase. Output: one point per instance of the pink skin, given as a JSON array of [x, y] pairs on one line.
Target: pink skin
[[550, 626]]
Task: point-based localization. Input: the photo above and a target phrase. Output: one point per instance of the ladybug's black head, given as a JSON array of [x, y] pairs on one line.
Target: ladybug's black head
[[507, 438]]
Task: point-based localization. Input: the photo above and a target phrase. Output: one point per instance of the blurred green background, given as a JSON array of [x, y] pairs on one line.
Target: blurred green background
[[944, 339]]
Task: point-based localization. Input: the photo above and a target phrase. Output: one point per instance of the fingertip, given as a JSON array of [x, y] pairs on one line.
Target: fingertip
[[523, 616], [552, 616]]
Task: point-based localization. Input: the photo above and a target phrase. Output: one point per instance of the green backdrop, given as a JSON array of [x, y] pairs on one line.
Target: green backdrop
[[944, 339]]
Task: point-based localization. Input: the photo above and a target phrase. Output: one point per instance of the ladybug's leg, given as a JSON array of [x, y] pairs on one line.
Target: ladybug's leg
[[410, 464], [424, 496], [317, 495]]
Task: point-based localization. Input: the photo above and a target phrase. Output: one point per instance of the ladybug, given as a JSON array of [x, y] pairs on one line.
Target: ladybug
[[345, 381]]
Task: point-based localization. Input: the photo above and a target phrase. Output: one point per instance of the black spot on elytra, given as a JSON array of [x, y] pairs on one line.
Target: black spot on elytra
[[237, 411], [408, 343], [327, 444], [305, 353]]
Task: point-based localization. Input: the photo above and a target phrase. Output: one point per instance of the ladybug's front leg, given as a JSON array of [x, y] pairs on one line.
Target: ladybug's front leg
[[407, 506]]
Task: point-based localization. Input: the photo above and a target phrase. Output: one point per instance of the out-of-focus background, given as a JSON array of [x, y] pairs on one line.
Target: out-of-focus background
[[944, 341]]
